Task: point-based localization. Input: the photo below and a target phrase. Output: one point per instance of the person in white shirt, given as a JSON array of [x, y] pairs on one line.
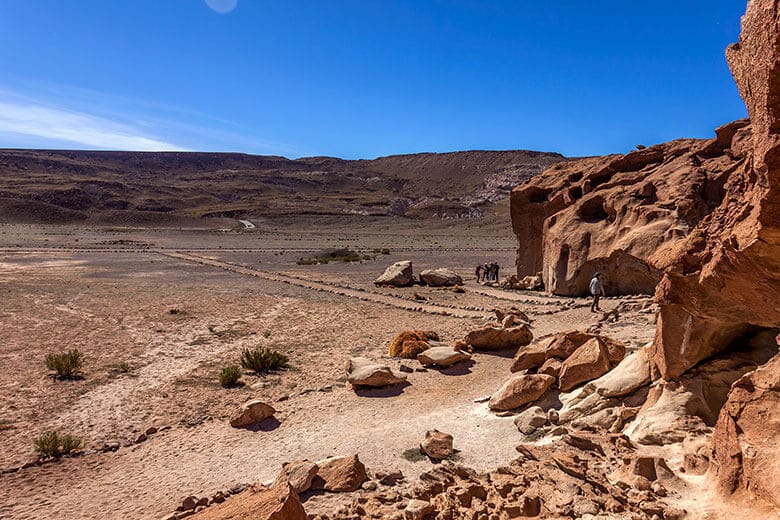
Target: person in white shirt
[[596, 290]]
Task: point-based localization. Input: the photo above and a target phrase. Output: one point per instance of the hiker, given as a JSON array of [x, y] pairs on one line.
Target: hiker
[[486, 270], [478, 272], [496, 267], [596, 290]]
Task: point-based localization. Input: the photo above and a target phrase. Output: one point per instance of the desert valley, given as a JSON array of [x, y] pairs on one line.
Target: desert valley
[[215, 336]]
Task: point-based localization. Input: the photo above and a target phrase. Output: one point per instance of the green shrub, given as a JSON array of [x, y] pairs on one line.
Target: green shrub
[[229, 376], [53, 444], [67, 365], [262, 359]]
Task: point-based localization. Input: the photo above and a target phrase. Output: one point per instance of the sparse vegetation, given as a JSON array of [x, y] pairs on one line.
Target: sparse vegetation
[[414, 455], [121, 368], [229, 376], [263, 359], [335, 255], [67, 365], [53, 444], [174, 311]]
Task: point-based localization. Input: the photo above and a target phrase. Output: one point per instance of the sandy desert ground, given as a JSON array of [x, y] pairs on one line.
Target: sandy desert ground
[[178, 305]]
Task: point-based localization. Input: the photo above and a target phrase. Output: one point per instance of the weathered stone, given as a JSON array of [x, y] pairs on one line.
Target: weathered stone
[[440, 277], [442, 356], [274, 503], [551, 367], [364, 372], [437, 445], [252, 412], [588, 362], [417, 509], [299, 474], [498, 338], [520, 390], [397, 275], [339, 474], [531, 420]]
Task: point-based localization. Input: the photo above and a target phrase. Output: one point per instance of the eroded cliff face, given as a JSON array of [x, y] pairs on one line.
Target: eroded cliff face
[[724, 280], [623, 215]]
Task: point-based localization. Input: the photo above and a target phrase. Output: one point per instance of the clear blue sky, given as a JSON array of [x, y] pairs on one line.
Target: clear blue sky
[[364, 78]]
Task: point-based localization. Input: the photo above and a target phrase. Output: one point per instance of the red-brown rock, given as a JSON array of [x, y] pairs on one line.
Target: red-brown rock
[[520, 390], [587, 363], [275, 503]]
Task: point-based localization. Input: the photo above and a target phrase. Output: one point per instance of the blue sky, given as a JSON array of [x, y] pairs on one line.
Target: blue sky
[[364, 78]]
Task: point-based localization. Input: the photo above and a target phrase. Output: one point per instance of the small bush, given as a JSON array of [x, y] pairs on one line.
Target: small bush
[[263, 359], [67, 365], [53, 444], [414, 455], [121, 368], [174, 311], [229, 376]]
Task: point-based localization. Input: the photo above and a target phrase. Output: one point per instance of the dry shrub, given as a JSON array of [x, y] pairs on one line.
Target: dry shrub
[[67, 365], [263, 359], [229, 376], [409, 343], [53, 444]]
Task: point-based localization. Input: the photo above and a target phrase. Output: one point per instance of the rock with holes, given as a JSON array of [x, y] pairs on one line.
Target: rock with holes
[[519, 390], [362, 372], [397, 275], [252, 412]]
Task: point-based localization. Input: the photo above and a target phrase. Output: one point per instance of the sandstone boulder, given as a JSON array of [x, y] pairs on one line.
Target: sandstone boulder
[[275, 503], [629, 375], [517, 315], [562, 346], [437, 445], [493, 337], [364, 372], [588, 362], [409, 343], [252, 412], [531, 420], [442, 356], [397, 275], [551, 367], [520, 390], [440, 277], [340, 474], [298, 474]]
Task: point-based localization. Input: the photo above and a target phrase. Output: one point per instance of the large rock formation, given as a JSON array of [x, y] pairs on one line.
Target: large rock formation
[[724, 279], [624, 215]]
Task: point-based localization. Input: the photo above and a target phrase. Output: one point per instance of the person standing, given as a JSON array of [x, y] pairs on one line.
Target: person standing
[[478, 272], [596, 290]]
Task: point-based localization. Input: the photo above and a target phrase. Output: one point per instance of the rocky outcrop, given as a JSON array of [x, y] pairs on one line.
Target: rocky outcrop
[[561, 346], [399, 274], [622, 215], [298, 474], [724, 279], [275, 503], [440, 277], [362, 372], [747, 436]]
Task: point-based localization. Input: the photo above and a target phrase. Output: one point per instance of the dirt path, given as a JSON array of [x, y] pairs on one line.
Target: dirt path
[[362, 295]]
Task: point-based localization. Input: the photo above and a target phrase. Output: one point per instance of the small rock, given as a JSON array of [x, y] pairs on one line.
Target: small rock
[[252, 412], [188, 503], [531, 420], [141, 438], [339, 474], [369, 485], [417, 509], [437, 445], [405, 368]]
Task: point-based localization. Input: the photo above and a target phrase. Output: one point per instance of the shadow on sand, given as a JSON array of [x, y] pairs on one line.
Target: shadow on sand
[[385, 391], [267, 425], [458, 369]]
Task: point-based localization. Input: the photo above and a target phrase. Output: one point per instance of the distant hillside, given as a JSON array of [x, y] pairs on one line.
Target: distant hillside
[[156, 188]]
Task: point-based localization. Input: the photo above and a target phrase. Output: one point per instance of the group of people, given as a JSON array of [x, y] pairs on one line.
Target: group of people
[[487, 272]]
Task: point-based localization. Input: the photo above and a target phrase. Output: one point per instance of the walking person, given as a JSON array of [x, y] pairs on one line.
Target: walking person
[[596, 290]]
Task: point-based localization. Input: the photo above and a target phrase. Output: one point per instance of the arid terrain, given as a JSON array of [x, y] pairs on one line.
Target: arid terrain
[[113, 296]]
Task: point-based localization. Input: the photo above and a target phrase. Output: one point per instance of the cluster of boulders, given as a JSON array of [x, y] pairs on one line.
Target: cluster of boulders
[[570, 358], [576, 476], [526, 283], [511, 330], [401, 274]]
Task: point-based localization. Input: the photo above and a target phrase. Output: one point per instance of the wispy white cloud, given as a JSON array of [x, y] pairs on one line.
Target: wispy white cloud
[[30, 118]]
